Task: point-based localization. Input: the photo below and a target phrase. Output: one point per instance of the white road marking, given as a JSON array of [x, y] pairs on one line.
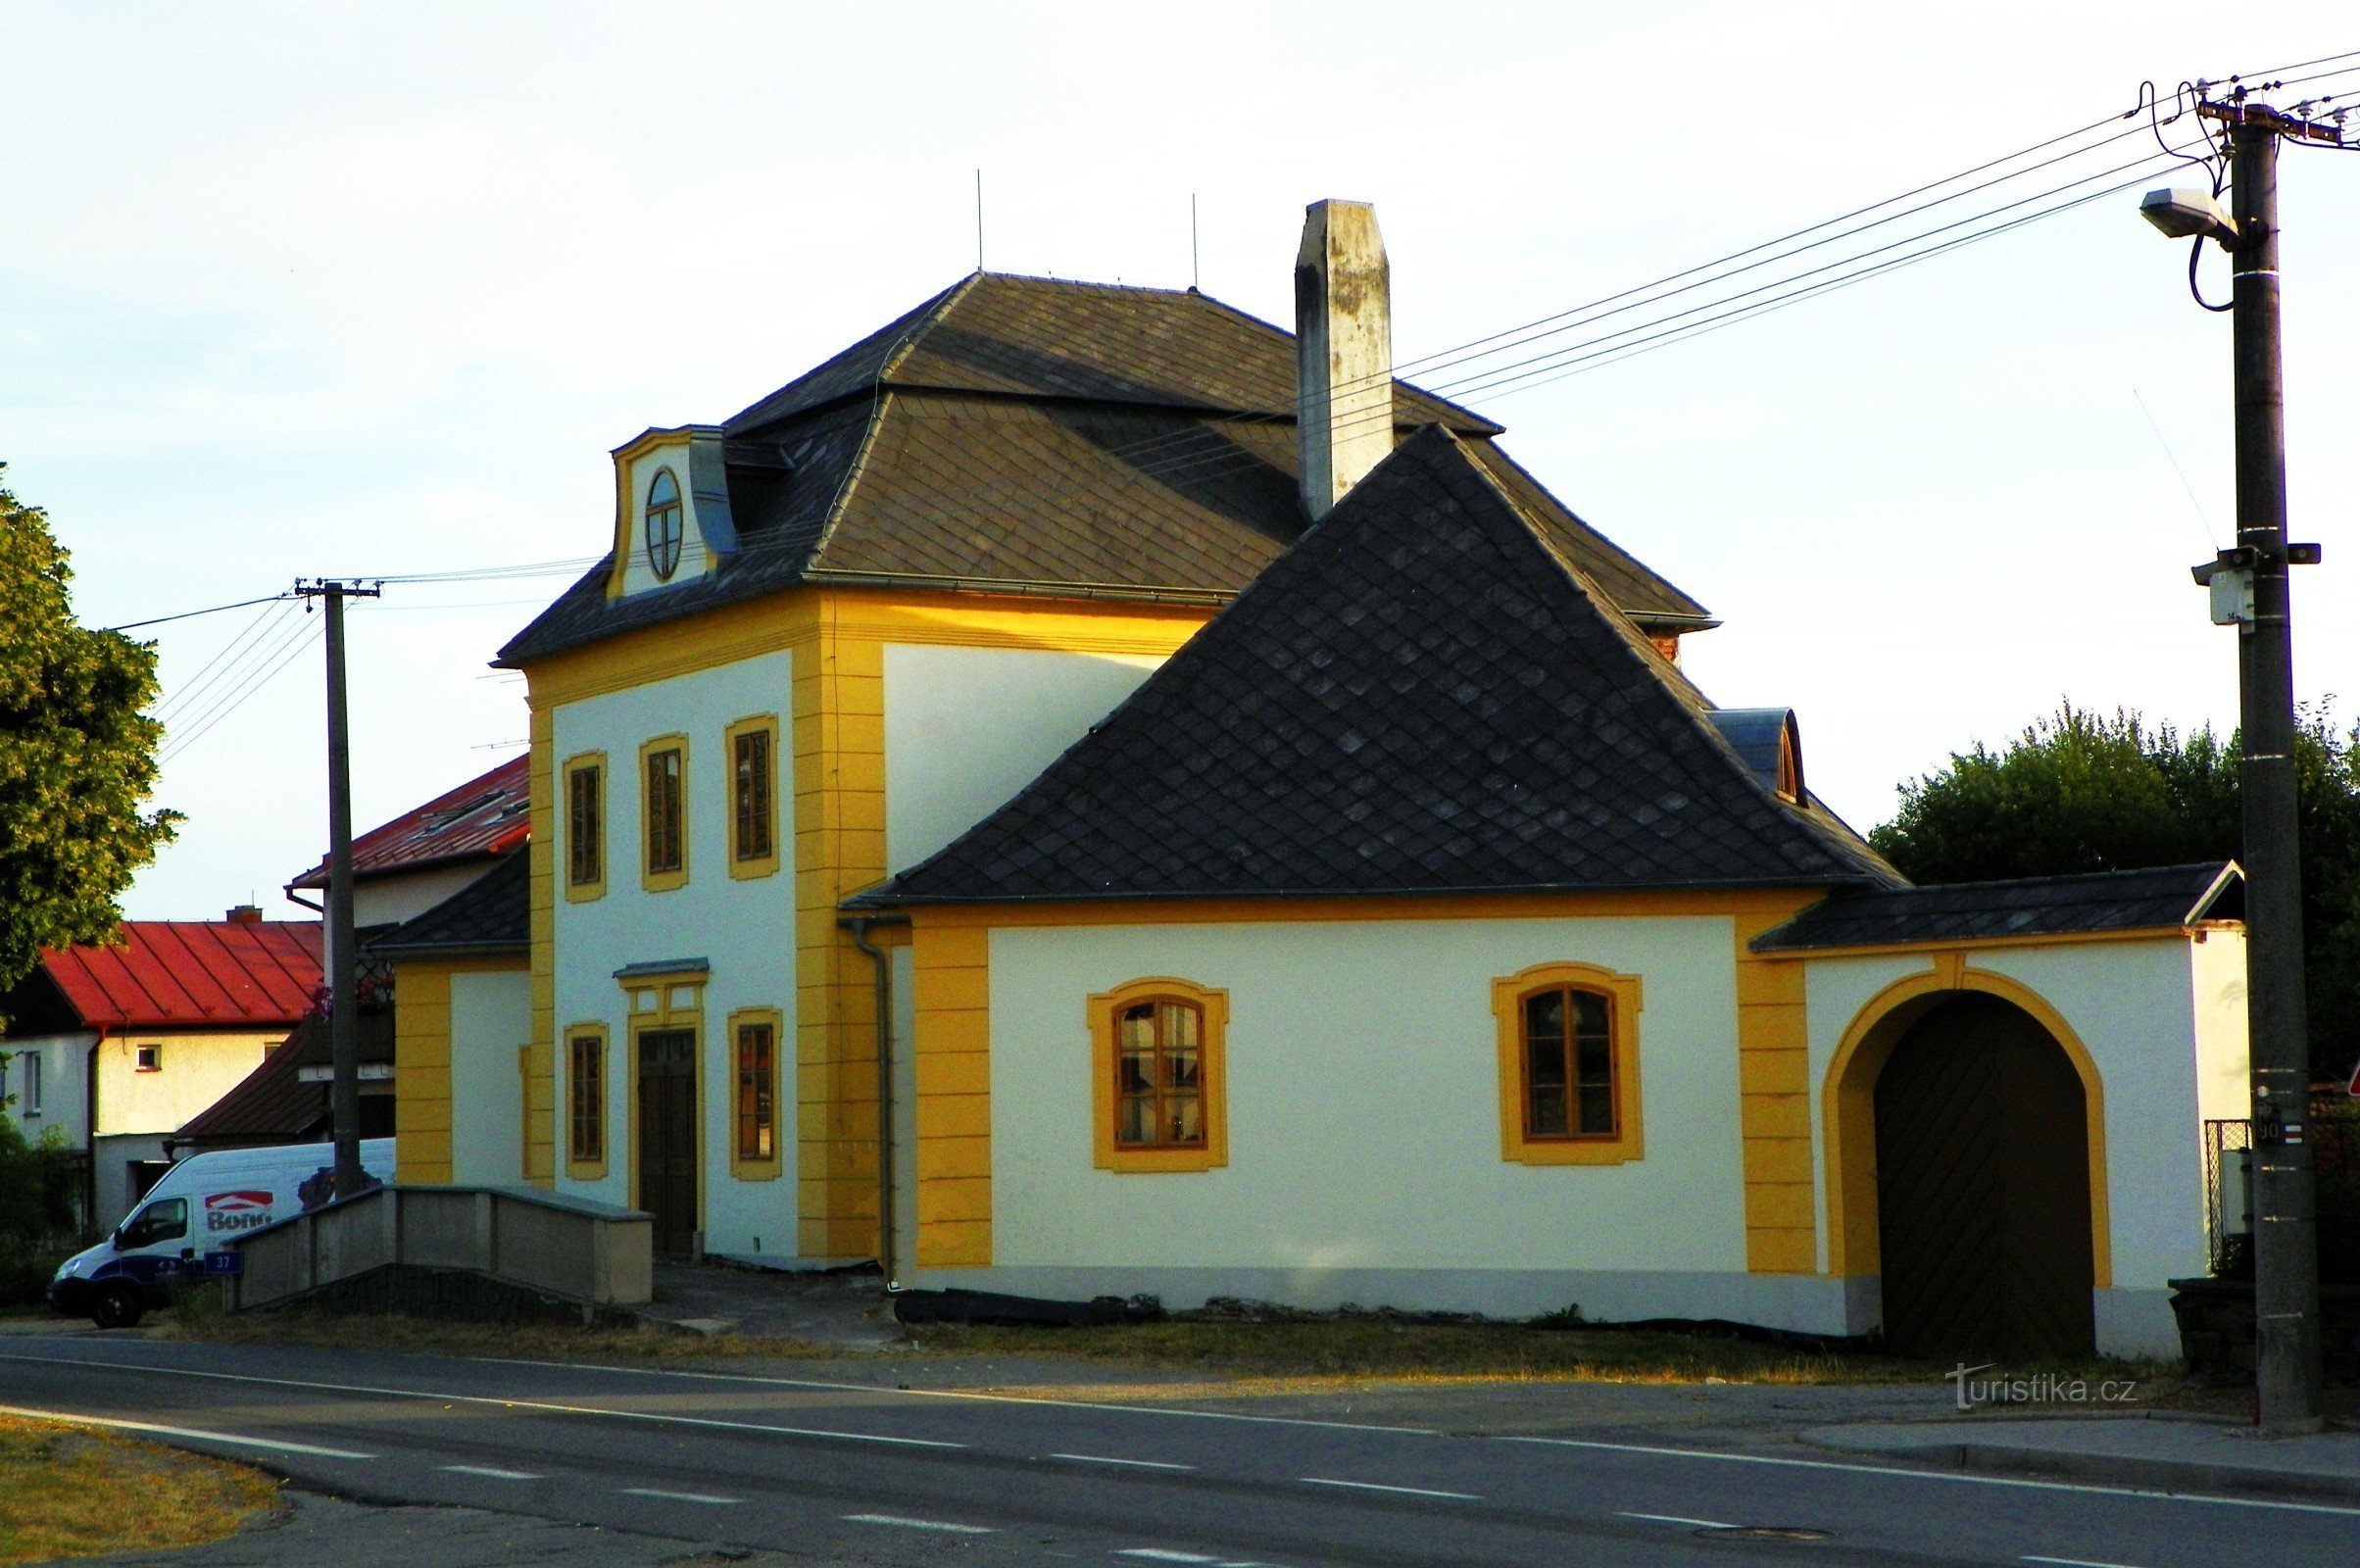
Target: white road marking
[[1407, 1491], [1675, 1519], [1135, 1464], [1160, 1554], [496, 1475], [2076, 1562], [480, 1399], [898, 1522], [969, 1394], [278, 1444], [1942, 1474], [674, 1496]]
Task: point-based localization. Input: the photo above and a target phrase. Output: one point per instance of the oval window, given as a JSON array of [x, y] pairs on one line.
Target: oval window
[[664, 525]]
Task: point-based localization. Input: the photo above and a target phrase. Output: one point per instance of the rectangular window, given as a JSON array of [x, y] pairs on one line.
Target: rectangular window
[[585, 825], [666, 812], [752, 795], [586, 1103], [757, 1091], [149, 1058]]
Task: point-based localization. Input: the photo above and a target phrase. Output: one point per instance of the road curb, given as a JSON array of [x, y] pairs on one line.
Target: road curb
[[2112, 1469]]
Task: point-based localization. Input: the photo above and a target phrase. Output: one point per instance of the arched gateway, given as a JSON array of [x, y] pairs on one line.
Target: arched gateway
[[1983, 1186]]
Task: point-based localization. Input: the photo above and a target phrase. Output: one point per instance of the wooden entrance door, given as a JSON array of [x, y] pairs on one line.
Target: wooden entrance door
[[668, 1137], [1982, 1187]]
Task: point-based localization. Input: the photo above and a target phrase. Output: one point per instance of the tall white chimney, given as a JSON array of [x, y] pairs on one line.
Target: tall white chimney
[[1343, 351]]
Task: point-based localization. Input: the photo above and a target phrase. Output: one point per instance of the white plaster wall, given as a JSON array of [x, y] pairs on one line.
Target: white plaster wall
[[2139, 1008], [491, 1018], [965, 728], [386, 899], [194, 1071], [2224, 1085], [637, 577], [65, 1060], [745, 928], [1363, 1104]]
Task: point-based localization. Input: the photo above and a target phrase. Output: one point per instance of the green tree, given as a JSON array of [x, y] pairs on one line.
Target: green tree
[[2082, 791], [77, 756]]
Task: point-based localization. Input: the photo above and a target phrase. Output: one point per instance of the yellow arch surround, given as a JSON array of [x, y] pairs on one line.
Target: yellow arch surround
[[1848, 1109]]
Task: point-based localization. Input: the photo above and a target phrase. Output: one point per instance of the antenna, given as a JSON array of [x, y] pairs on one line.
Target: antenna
[[979, 219], [1196, 278]]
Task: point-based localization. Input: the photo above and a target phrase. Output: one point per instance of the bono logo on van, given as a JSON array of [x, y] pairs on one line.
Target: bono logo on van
[[236, 1212]]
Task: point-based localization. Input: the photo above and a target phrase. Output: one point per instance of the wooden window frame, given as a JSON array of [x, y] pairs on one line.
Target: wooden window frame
[[148, 1056], [1624, 1000], [650, 879], [742, 1165], [594, 888], [740, 864], [579, 1167], [1212, 1071]]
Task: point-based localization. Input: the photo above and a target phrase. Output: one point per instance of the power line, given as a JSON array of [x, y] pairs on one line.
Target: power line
[[301, 647], [191, 615]]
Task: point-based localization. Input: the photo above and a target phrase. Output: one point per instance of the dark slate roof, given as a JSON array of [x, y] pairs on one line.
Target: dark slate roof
[[1423, 696], [2164, 898], [492, 914], [1031, 434]]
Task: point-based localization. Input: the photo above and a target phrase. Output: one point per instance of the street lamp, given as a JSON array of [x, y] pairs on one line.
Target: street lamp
[[2188, 214]]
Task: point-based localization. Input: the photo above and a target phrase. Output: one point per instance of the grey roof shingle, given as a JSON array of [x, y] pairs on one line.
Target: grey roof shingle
[[2162, 898], [492, 914], [1033, 433], [1424, 694]]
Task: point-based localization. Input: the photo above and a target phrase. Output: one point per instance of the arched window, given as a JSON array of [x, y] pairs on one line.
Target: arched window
[[1159, 1096], [1569, 1065], [664, 525]]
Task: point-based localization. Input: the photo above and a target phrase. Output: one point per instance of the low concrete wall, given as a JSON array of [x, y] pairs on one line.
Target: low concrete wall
[[589, 1251]]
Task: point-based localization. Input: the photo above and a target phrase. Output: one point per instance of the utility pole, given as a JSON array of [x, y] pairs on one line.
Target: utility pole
[[2250, 590], [344, 963]]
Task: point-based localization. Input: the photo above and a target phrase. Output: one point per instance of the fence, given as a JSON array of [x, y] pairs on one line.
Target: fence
[[2334, 1133], [592, 1252]]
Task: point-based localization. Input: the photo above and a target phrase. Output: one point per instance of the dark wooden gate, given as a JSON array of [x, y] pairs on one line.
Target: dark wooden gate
[[668, 1137], [1982, 1187]]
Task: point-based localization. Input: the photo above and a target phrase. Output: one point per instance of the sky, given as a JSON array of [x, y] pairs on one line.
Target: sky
[[290, 290]]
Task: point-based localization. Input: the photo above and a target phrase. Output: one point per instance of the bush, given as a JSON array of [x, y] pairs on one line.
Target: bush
[[27, 1268], [36, 1211]]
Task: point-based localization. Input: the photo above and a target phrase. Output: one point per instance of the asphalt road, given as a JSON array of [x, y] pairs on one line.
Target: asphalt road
[[924, 1476]]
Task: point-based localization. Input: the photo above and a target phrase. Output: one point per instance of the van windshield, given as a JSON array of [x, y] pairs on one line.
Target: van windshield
[[164, 1220]]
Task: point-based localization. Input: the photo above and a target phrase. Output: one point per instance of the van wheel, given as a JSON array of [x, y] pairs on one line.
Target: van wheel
[[119, 1306]]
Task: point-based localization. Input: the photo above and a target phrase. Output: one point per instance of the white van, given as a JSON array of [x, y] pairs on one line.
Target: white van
[[198, 1204]]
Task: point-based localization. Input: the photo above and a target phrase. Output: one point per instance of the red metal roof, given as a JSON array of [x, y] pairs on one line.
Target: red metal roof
[[182, 974], [485, 816]]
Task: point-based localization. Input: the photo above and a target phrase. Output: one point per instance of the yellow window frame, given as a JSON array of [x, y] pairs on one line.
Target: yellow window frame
[[1212, 1073], [768, 1168], [654, 881], [577, 1168], [1624, 998], [742, 867], [584, 892]]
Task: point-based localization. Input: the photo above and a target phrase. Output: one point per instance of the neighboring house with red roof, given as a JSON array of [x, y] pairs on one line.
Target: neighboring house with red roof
[[427, 853], [113, 1047]]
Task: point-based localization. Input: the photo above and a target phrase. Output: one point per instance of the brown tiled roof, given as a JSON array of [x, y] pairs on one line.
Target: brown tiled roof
[[272, 1102], [1039, 435], [1425, 694], [485, 817]]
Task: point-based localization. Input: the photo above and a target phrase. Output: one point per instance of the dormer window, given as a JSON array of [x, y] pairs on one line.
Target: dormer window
[[664, 525]]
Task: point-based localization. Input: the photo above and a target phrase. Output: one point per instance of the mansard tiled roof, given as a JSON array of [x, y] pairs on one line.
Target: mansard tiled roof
[[490, 916], [1037, 435], [2158, 899], [1425, 694]]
